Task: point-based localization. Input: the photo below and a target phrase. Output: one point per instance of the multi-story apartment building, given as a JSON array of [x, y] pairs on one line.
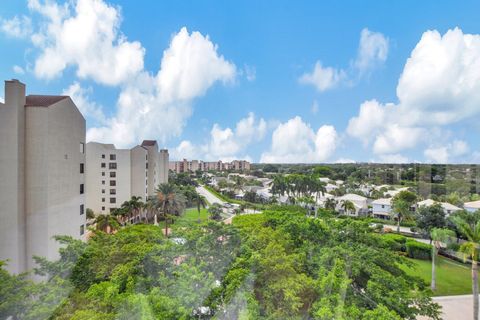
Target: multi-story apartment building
[[194, 165], [115, 175], [42, 168]]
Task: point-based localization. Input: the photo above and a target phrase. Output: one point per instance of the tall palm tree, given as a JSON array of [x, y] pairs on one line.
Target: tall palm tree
[[330, 204], [133, 206], [201, 202], [106, 223], [279, 185], [169, 202], [347, 206], [401, 211], [470, 228], [438, 236]]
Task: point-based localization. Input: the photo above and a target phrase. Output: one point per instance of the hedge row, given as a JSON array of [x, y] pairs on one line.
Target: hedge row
[[413, 249]]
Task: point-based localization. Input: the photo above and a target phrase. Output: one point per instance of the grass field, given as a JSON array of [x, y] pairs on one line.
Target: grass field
[[191, 216], [453, 278]]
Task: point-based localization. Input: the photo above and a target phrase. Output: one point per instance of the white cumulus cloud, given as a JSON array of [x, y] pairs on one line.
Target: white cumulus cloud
[[296, 142], [323, 78], [225, 143], [158, 106], [372, 51], [439, 86], [17, 27], [84, 34]]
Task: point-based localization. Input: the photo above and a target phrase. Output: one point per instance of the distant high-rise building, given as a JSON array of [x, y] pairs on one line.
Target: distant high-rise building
[[115, 175], [194, 165], [42, 168]]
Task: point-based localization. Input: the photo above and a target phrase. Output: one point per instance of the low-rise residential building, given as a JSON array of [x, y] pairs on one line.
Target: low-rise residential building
[[360, 203], [42, 183], [472, 206], [114, 175], [448, 208], [382, 208]]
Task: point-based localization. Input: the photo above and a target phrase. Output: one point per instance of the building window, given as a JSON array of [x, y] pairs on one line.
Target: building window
[[102, 165], [113, 200], [113, 174], [146, 165], [103, 181], [103, 173], [82, 230], [82, 209], [103, 208], [113, 191], [103, 156], [383, 206], [81, 189], [82, 147], [103, 199], [112, 165], [113, 157], [82, 167], [113, 183], [103, 190]]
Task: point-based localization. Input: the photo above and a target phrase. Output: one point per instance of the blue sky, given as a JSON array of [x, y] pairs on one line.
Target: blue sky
[[214, 79]]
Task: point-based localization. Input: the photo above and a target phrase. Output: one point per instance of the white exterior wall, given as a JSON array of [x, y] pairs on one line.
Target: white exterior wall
[[39, 177], [138, 173], [152, 179], [98, 178], [12, 179], [381, 209], [163, 164], [53, 179]]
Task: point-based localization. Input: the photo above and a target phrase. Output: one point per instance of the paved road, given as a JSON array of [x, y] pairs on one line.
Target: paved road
[[455, 307], [211, 198]]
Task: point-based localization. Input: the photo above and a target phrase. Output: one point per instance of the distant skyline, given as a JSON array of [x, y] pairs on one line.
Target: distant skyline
[[282, 81]]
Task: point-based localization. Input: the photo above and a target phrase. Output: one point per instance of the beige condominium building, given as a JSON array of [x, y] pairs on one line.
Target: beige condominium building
[[42, 168], [114, 175], [194, 165]]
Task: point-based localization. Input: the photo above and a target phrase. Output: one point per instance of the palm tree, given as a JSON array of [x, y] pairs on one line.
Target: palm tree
[[201, 202], [133, 206], [106, 223], [168, 202], [279, 185], [470, 228], [347, 206], [401, 210], [438, 236], [330, 204]]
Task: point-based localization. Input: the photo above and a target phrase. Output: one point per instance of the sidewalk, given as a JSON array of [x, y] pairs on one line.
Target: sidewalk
[[455, 307]]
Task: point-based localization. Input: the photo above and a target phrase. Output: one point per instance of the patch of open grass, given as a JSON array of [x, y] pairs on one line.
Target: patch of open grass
[[453, 278], [191, 216]]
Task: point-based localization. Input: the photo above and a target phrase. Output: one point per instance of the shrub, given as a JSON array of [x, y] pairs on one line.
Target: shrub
[[418, 250], [395, 242]]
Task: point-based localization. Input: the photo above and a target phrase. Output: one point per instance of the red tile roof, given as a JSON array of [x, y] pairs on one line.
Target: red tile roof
[[42, 101], [148, 143]]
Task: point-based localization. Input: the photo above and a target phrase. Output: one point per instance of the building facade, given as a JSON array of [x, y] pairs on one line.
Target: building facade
[[194, 165], [42, 169], [115, 175]]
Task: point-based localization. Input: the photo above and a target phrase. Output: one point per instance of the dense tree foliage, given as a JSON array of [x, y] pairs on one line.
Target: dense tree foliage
[[280, 264]]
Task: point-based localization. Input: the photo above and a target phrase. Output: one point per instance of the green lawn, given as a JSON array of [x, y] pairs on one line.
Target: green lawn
[[190, 216], [453, 278]]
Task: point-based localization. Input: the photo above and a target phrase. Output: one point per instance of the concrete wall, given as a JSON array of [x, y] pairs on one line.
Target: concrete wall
[[12, 179], [152, 179], [98, 178], [163, 165], [53, 178], [138, 173]]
